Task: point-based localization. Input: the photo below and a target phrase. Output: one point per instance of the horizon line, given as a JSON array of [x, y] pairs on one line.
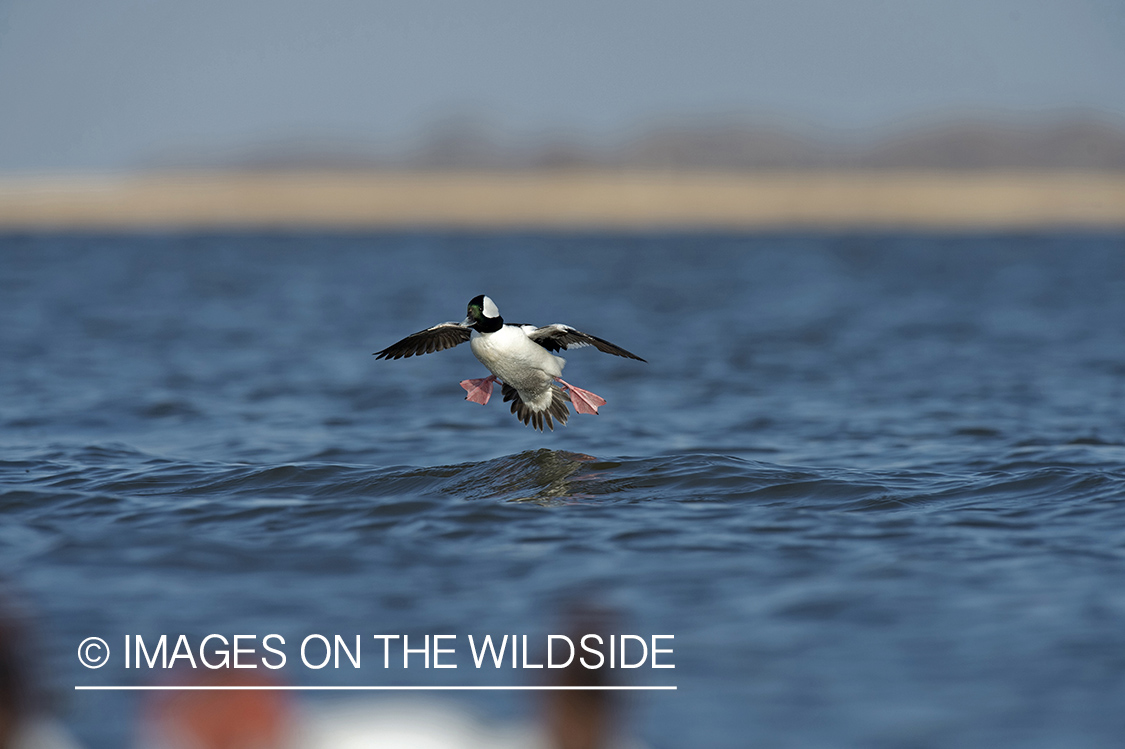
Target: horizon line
[[832, 199]]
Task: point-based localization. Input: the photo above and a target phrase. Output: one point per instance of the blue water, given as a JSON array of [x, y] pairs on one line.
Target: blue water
[[873, 484]]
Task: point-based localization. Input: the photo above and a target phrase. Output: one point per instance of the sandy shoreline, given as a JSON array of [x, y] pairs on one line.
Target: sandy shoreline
[[610, 200]]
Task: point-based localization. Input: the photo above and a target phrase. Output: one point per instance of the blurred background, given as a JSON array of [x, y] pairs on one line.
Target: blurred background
[[404, 113]]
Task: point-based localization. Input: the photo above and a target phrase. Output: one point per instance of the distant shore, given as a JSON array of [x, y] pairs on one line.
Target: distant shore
[[565, 200]]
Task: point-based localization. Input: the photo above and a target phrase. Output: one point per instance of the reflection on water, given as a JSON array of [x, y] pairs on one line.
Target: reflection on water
[[542, 476]]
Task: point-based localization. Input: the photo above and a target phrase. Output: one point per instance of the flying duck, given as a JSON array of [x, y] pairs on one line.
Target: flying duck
[[519, 357]]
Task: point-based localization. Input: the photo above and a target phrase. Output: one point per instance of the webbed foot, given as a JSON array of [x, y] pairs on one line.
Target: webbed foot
[[584, 401], [479, 391]]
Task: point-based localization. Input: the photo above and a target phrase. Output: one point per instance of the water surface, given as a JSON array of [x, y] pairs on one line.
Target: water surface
[[874, 485]]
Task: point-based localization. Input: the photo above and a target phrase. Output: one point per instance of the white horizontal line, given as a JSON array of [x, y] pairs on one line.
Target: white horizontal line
[[279, 688]]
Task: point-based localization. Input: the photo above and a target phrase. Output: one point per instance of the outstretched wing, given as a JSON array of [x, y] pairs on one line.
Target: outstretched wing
[[558, 336], [437, 338]]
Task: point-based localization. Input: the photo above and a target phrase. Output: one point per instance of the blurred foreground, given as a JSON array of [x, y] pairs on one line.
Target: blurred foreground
[[228, 709]]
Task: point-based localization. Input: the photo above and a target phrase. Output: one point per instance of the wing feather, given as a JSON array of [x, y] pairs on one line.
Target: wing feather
[[437, 338], [558, 336]]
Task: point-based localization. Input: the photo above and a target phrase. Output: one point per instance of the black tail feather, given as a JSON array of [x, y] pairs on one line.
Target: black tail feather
[[557, 410]]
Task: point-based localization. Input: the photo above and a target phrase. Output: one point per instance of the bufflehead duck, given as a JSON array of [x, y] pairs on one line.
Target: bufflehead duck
[[519, 357]]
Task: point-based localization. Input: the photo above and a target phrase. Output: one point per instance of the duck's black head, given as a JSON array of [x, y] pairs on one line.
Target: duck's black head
[[483, 315]]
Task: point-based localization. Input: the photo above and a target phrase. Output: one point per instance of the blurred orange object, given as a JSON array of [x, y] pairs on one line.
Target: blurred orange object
[[220, 718]]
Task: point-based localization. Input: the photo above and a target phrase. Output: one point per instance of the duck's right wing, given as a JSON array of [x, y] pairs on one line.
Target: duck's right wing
[[437, 338]]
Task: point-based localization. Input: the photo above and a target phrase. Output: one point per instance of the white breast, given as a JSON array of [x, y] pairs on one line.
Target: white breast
[[516, 359]]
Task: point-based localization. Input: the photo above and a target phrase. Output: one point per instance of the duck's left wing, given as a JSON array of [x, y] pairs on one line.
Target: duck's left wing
[[558, 336], [437, 338]]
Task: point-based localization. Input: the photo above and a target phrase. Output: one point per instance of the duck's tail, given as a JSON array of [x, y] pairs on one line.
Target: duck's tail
[[556, 409]]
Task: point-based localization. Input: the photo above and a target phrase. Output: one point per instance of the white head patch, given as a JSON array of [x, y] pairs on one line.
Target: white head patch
[[490, 308]]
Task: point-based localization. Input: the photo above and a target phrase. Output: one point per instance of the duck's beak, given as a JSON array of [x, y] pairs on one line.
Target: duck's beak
[[468, 322]]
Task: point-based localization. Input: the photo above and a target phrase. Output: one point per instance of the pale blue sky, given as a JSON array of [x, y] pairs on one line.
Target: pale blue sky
[[114, 84]]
